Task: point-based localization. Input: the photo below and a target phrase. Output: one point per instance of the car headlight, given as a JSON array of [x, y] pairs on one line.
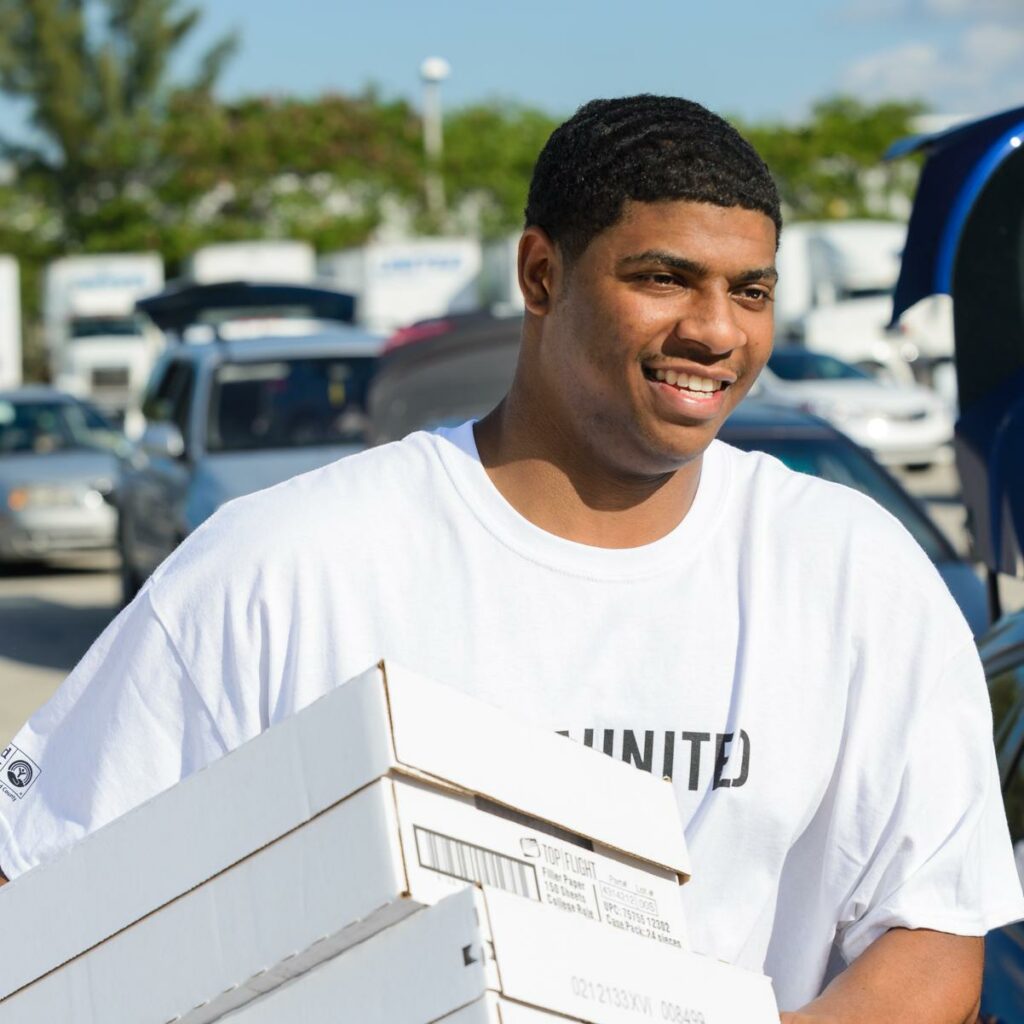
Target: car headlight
[[830, 410], [27, 496]]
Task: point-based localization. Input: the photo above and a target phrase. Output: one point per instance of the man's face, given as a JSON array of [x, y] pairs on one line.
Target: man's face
[[657, 331]]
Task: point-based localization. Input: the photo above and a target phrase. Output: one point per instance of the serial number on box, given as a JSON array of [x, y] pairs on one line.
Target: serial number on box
[[635, 1002]]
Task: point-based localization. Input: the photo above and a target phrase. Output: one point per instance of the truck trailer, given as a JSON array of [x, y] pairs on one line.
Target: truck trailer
[[98, 347], [10, 323]]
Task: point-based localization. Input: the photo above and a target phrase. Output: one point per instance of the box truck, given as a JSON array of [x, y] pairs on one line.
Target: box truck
[[98, 347], [277, 261], [10, 323], [398, 283]]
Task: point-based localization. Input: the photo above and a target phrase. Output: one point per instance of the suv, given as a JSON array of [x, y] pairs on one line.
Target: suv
[[264, 399]]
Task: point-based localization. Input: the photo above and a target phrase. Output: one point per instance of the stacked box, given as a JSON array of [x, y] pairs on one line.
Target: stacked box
[[484, 955], [272, 872]]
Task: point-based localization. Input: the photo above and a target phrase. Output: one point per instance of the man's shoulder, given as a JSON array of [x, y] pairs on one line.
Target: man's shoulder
[[804, 508], [355, 497]]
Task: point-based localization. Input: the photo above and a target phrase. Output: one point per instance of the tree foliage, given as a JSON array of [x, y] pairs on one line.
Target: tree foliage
[[123, 157], [95, 76], [829, 166]]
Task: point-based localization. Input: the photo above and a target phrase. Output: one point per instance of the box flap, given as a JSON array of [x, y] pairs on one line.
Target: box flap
[[168, 845], [487, 750]]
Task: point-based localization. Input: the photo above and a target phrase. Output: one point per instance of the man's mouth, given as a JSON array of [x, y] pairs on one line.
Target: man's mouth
[[688, 382]]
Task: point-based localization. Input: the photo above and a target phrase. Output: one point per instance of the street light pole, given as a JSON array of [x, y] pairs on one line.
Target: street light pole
[[433, 71]]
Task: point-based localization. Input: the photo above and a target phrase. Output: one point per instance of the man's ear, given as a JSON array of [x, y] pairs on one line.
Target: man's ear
[[540, 270]]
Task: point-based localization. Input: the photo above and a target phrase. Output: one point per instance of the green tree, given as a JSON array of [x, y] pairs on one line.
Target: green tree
[[490, 150], [96, 78], [325, 170], [830, 165]]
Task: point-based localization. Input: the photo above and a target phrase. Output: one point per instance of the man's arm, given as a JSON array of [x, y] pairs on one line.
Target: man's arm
[[913, 976]]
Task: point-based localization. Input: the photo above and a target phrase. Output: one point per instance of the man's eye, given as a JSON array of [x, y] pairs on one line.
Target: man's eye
[[756, 294], [659, 279]]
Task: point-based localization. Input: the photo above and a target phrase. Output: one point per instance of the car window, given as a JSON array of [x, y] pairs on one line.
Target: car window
[[1006, 692], [795, 365], [1013, 794], [34, 428], [841, 462], [289, 403], [171, 399]]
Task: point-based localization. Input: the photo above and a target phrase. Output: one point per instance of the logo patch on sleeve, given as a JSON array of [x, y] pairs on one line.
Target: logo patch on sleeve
[[17, 772]]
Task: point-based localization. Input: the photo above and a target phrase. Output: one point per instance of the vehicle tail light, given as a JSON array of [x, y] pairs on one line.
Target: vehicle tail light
[[416, 332]]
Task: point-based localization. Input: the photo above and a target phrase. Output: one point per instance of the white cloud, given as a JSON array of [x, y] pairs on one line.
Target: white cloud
[[983, 70], [994, 46], [974, 8], [895, 10]]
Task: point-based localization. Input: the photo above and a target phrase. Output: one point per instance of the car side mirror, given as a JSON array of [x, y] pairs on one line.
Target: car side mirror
[[162, 440]]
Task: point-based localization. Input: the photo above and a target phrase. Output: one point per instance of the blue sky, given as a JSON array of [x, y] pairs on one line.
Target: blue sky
[[758, 60]]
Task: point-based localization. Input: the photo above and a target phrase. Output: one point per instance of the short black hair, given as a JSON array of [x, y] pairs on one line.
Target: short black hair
[[644, 148]]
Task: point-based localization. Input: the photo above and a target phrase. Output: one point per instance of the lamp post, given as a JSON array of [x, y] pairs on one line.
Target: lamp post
[[433, 71]]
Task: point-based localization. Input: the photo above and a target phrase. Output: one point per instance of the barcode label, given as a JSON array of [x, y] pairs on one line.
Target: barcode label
[[475, 864]]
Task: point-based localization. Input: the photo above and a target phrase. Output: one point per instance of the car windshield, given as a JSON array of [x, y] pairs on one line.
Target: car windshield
[[836, 460], [43, 427], [289, 403], [105, 327], [812, 366]]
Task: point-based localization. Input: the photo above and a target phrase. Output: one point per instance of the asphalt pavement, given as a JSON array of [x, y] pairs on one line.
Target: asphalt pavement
[[50, 614]]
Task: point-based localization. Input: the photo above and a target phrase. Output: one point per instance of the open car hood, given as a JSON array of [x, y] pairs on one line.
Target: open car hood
[[966, 239]]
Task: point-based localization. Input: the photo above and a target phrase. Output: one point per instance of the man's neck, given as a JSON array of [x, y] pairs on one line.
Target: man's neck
[[541, 475]]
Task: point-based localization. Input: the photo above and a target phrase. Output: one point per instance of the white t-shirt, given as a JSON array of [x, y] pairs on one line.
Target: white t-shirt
[[787, 654]]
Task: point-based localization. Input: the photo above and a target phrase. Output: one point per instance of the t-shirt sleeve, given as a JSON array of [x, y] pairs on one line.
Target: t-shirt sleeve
[[942, 857], [126, 724]]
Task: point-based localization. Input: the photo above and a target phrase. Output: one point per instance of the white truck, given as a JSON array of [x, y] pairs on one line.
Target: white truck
[[835, 295], [499, 276], [280, 262], [398, 283], [10, 323], [98, 347]]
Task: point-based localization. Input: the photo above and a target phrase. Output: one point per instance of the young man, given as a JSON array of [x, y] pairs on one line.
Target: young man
[[588, 556]]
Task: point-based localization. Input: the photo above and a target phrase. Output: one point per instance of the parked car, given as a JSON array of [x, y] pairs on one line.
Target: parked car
[[444, 376], [1002, 654], [59, 459], [900, 424], [228, 417]]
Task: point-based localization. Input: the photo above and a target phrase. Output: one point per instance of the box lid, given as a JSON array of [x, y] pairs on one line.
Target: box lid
[[487, 750]]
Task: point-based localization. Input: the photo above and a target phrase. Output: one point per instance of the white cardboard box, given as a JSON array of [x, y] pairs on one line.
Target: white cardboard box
[[493, 957], [493, 1009], [334, 823]]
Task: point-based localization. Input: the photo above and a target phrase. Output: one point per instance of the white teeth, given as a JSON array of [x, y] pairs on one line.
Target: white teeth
[[689, 381]]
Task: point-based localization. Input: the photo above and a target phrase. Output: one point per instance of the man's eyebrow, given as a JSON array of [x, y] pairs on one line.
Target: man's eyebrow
[[697, 269], [758, 274], [666, 259]]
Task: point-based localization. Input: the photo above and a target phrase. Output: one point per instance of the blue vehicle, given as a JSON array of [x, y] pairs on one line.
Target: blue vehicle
[[277, 388], [966, 239]]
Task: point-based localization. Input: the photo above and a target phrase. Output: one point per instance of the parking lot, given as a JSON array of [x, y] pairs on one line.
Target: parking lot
[[51, 614]]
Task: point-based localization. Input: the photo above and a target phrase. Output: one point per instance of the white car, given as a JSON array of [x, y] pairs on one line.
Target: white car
[[900, 424]]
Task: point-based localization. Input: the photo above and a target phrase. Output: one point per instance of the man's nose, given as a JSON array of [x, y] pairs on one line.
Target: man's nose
[[710, 320]]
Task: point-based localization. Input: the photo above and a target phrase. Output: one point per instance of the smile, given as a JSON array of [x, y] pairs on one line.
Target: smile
[[688, 382]]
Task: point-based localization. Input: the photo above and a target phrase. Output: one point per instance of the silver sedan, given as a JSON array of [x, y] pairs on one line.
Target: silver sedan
[[59, 459]]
